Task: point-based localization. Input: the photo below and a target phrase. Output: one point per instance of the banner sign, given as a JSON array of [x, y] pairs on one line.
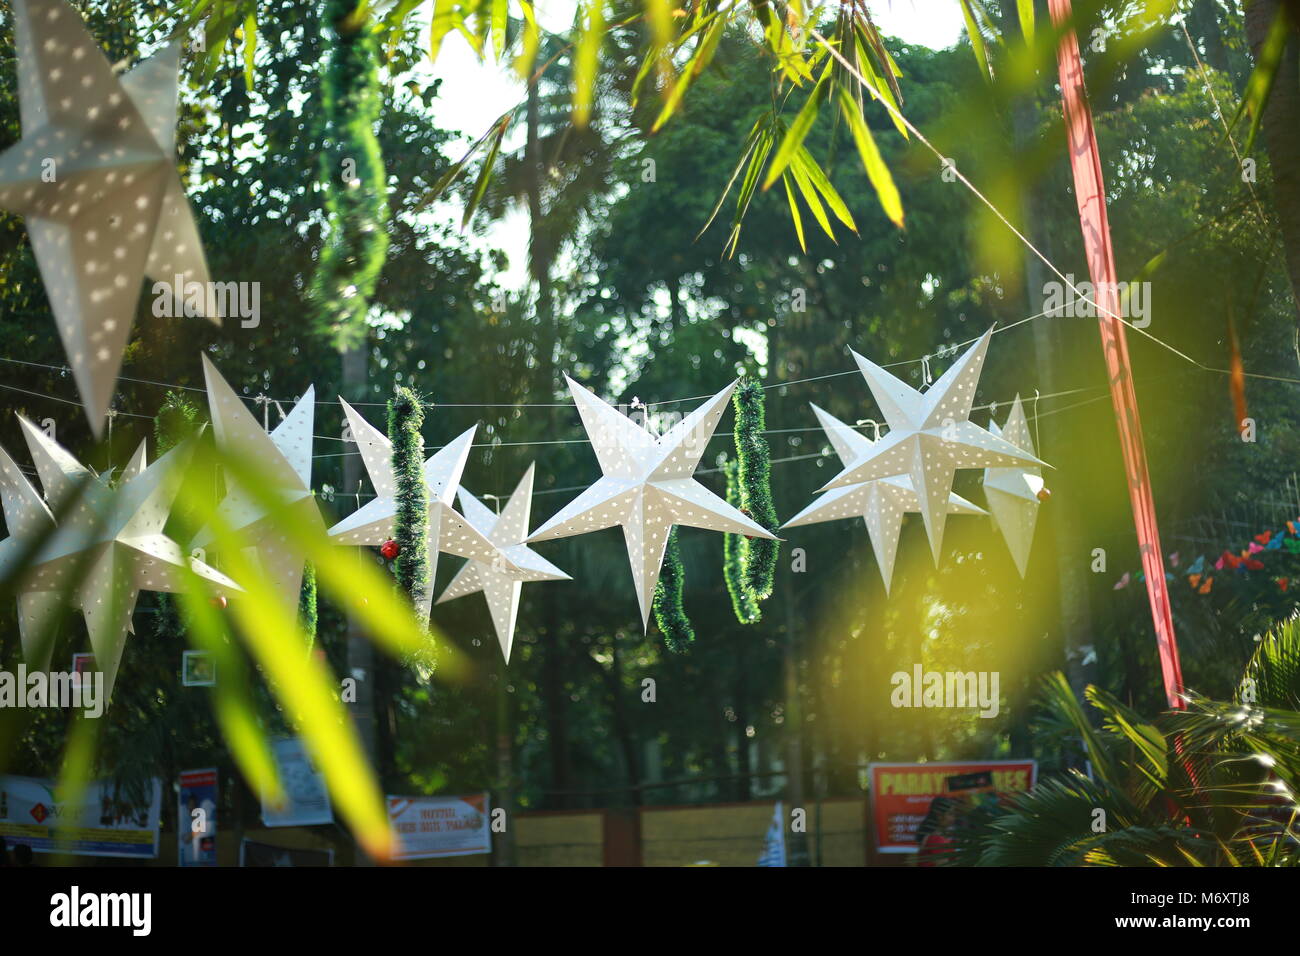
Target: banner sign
[[307, 802], [252, 853], [901, 793], [196, 818], [426, 827], [107, 821]]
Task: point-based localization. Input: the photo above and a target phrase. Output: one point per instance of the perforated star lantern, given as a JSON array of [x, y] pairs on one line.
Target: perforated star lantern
[[448, 531], [1014, 493], [930, 437], [106, 549], [501, 588], [881, 503], [281, 463], [647, 486], [95, 177]]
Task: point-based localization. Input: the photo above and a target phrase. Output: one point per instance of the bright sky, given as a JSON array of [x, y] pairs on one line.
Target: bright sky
[[475, 94]]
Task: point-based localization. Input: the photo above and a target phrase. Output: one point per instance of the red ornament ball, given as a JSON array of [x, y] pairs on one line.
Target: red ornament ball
[[390, 549], [219, 601], [1044, 494]]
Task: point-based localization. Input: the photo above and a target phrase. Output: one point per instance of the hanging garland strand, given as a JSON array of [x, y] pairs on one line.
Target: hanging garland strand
[[755, 477], [405, 416], [734, 547], [352, 175], [669, 613], [307, 604]]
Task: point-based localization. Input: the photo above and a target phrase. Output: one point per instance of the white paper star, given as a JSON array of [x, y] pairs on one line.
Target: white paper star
[[930, 437], [95, 176], [1013, 492], [880, 503], [501, 588], [448, 531], [108, 548], [647, 486], [282, 461]]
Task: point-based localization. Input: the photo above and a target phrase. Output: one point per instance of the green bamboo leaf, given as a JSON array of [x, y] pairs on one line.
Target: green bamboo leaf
[[794, 211], [698, 61], [250, 48], [586, 60], [529, 42], [878, 88], [1025, 10], [1262, 78], [872, 163], [302, 681], [485, 174], [976, 39], [661, 21], [442, 23], [803, 161], [500, 17], [799, 129], [809, 193]]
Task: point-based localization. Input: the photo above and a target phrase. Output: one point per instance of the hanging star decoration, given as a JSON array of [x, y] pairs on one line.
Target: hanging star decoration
[[448, 530], [881, 502], [647, 486], [95, 176], [282, 463], [98, 557], [1014, 494], [930, 437], [507, 531]]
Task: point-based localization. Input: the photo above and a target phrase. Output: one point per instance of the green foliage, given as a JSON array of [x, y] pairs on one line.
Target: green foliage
[[351, 174], [178, 419], [405, 416], [670, 615]]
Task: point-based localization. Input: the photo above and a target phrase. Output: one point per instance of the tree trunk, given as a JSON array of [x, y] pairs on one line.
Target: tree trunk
[[1281, 130]]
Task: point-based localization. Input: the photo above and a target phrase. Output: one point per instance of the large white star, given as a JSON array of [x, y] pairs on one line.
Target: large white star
[[501, 588], [647, 486], [1013, 492], [881, 503], [108, 548], [282, 461], [95, 176], [447, 530], [930, 437]]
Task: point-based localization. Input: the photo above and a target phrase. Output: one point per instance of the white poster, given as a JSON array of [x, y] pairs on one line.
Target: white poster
[[307, 802], [426, 827], [109, 820]]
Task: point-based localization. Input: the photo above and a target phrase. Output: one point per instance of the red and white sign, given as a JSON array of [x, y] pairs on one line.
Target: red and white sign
[[901, 793], [426, 827]]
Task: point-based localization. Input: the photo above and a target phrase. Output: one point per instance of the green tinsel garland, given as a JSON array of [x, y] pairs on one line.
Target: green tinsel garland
[[754, 474], [307, 604], [734, 549], [352, 175], [669, 613], [405, 416]]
